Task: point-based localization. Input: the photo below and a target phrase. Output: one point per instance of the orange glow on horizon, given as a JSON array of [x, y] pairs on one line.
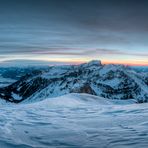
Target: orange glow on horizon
[[128, 63], [77, 61]]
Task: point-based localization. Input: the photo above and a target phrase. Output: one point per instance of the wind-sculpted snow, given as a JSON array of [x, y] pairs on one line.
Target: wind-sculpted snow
[[74, 121]]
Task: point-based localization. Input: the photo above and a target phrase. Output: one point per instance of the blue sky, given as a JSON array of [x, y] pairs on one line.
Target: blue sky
[[110, 30]]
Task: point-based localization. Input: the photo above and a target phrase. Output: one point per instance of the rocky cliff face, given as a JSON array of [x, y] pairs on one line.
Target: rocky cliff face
[[108, 81]]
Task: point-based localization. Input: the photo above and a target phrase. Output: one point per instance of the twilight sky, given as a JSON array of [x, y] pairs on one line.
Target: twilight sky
[[114, 31]]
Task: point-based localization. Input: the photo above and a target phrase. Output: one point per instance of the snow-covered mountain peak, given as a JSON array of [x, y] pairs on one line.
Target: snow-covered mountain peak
[[94, 63]]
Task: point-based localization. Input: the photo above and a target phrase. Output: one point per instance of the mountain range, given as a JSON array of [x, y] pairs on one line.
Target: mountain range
[[107, 81]]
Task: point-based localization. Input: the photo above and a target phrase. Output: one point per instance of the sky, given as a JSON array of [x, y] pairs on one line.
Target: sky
[[75, 31]]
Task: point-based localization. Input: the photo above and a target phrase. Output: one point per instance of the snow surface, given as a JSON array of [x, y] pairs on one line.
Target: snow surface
[[74, 121], [6, 81], [16, 97]]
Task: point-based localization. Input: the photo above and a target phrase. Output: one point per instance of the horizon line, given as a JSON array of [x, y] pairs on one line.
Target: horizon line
[[70, 62]]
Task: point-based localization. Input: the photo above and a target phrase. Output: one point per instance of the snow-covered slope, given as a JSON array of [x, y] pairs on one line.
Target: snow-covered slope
[[6, 81], [75, 121], [108, 81]]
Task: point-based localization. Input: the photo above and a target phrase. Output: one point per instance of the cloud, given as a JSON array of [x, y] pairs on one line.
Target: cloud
[[74, 28], [116, 52]]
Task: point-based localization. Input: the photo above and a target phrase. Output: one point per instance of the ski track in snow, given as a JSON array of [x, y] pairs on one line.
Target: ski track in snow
[[74, 121]]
